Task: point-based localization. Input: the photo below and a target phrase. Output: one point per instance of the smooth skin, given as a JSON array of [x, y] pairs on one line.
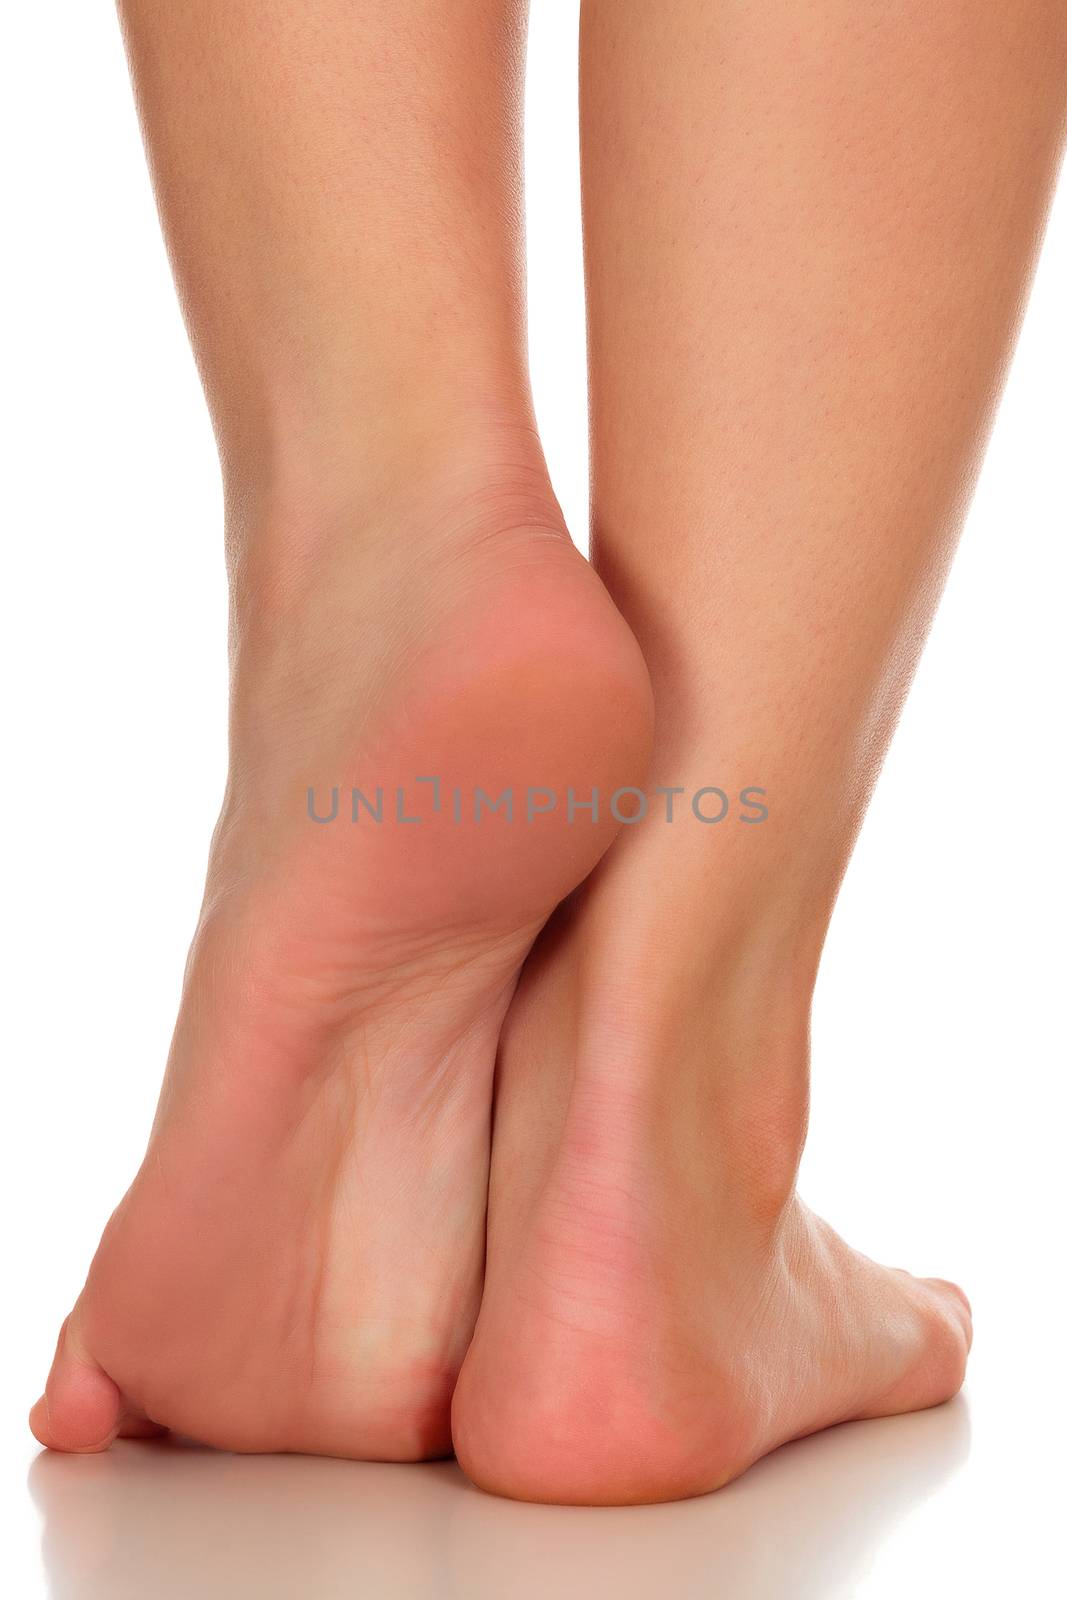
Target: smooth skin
[[809, 234], [298, 1263], [810, 230]]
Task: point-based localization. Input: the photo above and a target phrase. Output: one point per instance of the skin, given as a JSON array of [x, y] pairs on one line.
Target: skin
[[810, 229], [298, 1263]]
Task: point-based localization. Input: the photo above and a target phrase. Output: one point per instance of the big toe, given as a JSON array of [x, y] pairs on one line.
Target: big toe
[[936, 1340], [81, 1409], [940, 1359], [953, 1299]]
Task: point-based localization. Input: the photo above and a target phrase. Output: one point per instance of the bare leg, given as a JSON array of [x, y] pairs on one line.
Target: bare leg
[[298, 1263], [810, 229]]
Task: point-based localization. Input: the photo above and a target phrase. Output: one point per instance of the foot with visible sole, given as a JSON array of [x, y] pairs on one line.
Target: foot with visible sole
[[660, 1310], [298, 1263]]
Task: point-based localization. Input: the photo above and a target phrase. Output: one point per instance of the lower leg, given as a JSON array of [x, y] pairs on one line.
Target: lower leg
[[298, 1262], [809, 232]]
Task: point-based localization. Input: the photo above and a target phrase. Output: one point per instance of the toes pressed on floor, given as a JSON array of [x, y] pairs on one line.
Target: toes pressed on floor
[[81, 1411]]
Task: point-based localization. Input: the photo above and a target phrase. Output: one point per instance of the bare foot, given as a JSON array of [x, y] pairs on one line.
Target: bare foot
[[298, 1262], [660, 1309]]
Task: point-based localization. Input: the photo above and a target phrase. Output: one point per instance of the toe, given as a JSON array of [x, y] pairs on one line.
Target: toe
[[946, 1318], [934, 1351], [81, 1408], [955, 1304], [138, 1427]]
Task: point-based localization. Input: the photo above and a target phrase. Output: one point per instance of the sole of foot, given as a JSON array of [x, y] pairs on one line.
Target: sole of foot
[[298, 1263], [660, 1310]]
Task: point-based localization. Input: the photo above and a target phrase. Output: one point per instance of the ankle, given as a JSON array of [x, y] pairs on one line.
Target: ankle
[[432, 490], [723, 1030]]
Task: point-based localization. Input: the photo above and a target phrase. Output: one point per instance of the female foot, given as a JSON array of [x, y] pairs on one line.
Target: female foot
[[298, 1262], [779, 469], [660, 1309]]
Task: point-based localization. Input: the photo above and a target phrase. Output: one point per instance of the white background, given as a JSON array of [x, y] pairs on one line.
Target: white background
[[938, 1113]]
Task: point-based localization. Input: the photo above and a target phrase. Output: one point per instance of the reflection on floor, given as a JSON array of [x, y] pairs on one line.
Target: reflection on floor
[[175, 1522]]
